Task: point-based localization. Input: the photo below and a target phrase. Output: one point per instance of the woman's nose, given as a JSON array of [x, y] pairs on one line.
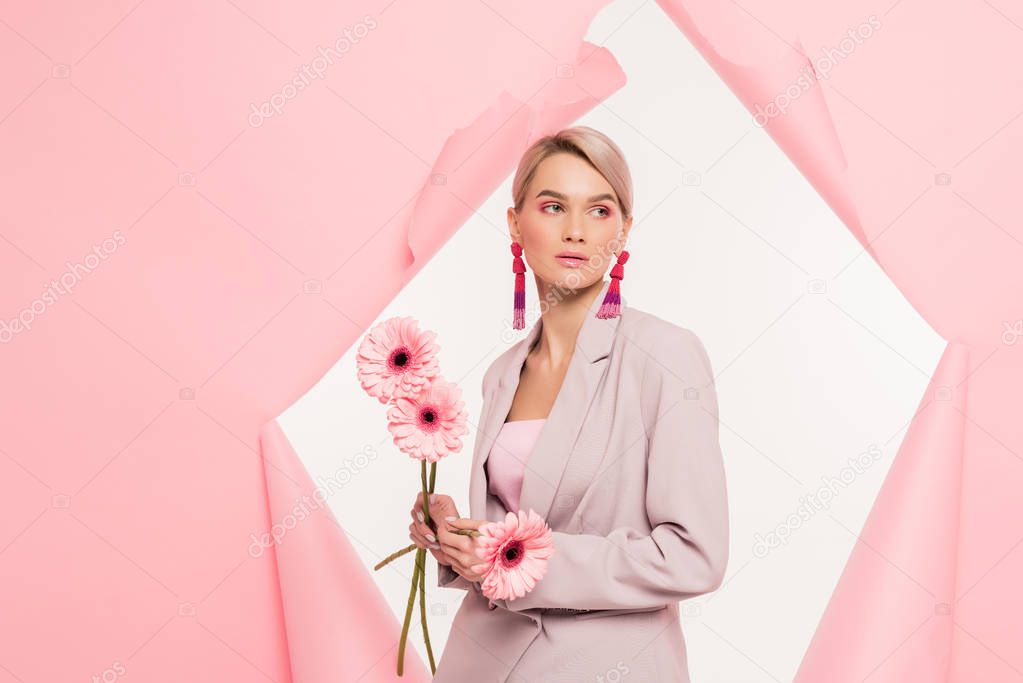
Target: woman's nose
[[574, 234]]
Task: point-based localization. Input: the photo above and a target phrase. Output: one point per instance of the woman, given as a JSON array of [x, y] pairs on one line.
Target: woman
[[606, 427]]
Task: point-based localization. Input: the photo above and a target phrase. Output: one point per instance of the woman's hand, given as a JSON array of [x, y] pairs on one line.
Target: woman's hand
[[461, 550], [424, 536]]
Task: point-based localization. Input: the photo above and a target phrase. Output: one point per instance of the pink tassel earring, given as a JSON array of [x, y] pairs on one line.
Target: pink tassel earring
[[612, 304], [519, 268]]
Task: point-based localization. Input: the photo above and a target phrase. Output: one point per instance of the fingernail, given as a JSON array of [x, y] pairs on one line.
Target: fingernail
[[435, 546], [433, 498], [450, 518], [419, 516], [431, 538]]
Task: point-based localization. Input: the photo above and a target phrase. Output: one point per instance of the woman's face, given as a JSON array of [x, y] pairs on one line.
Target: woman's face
[[569, 209]]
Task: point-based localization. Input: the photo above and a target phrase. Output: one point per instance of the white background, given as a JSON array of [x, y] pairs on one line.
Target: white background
[[729, 240]]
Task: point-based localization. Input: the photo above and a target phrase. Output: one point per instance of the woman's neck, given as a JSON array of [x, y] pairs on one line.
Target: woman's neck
[[563, 316]]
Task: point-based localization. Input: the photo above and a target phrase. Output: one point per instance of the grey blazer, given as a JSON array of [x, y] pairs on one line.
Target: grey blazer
[[628, 473]]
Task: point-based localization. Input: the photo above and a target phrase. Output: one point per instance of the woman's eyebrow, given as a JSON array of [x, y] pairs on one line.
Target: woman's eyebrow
[[564, 197]]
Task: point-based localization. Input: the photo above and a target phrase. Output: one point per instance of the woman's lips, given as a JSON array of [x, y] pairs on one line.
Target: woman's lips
[[570, 261]]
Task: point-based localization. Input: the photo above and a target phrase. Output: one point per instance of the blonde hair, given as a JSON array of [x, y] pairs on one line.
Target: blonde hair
[[586, 143]]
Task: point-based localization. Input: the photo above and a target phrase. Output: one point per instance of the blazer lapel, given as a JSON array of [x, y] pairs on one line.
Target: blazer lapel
[[546, 463], [497, 405]]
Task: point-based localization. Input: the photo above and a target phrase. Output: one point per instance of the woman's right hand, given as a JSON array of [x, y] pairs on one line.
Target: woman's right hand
[[424, 536]]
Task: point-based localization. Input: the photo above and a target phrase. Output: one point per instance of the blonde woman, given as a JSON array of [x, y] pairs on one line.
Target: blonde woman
[[603, 420]]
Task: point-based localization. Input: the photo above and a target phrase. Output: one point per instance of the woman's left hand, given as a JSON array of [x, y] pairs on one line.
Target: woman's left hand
[[460, 550]]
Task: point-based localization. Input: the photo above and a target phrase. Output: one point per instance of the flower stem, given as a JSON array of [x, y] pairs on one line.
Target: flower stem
[[427, 490], [418, 575], [466, 532], [422, 611], [421, 555], [408, 616], [394, 556]]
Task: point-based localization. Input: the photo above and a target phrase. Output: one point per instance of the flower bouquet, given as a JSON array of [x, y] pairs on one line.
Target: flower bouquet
[[397, 364]]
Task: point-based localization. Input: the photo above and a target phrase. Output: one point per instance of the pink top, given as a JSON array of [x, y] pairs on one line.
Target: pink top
[[507, 460]]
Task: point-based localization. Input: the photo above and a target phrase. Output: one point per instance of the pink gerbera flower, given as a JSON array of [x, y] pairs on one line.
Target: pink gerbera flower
[[514, 554], [429, 425], [396, 359]]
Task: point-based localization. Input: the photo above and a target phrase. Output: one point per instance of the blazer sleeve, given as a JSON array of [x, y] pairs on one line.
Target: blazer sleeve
[[686, 551], [449, 578]]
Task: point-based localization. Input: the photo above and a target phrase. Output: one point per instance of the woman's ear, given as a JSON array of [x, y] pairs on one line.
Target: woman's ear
[[513, 225]]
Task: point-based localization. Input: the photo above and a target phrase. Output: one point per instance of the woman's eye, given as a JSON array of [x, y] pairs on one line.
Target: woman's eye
[[550, 208]]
